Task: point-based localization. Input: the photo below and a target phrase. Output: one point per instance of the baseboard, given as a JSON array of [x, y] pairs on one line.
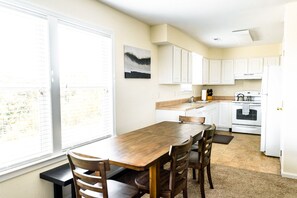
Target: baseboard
[[289, 175]]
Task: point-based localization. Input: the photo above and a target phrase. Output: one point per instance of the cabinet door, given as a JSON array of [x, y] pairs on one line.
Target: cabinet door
[[225, 115], [240, 67], [190, 68], [196, 65], [194, 113], [227, 72], [176, 64], [255, 66], [184, 65], [205, 71], [214, 71], [168, 115], [268, 61]]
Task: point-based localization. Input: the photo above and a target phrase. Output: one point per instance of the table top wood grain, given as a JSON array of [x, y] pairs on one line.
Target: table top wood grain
[[141, 148]]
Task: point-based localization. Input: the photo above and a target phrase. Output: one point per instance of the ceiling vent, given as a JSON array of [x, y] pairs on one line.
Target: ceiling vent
[[243, 36]]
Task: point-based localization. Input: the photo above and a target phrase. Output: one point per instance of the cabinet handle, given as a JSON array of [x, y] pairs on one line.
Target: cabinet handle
[[279, 108]]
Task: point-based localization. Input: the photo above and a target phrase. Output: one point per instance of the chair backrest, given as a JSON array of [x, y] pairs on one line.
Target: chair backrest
[[89, 185], [180, 155], [205, 145], [192, 119], [199, 120]]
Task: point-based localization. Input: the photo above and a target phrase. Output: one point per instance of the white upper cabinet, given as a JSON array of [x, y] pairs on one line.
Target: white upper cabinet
[[248, 68], [184, 66], [240, 67], [190, 68], [205, 71], [227, 72], [174, 65], [214, 71], [275, 60], [255, 66], [199, 69], [176, 56]]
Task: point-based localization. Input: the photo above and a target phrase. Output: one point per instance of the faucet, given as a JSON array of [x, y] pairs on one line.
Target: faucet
[[191, 100]]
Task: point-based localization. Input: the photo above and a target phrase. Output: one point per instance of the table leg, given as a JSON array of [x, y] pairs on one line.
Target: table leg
[[58, 191], [155, 180]]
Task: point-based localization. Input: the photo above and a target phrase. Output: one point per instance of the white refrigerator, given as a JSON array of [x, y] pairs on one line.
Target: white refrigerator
[[271, 102]]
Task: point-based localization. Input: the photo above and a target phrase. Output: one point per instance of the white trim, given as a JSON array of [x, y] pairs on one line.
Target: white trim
[[289, 175], [21, 170], [58, 154], [33, 8]]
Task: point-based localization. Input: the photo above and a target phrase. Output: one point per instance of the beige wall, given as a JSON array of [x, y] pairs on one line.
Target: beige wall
[[289, 134], [252, 51], [166, 34], [135, 99]]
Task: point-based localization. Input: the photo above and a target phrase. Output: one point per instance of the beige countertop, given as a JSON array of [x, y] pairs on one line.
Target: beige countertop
[[188, 106]]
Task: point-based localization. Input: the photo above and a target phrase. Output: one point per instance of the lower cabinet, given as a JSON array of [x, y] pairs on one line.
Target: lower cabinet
[[218, 113], [210, 112], [168, 115], [225, 115]]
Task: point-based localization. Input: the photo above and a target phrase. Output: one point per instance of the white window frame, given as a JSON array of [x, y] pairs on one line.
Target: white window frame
[[58, 154]]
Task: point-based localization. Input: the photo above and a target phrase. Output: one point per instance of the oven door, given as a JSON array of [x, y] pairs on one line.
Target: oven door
[[248, 115]]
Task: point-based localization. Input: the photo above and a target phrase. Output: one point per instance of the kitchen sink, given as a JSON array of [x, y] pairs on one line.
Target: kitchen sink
[[202, 101]]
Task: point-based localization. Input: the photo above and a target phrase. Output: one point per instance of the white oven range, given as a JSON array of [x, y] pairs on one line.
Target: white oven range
[[246, 112]]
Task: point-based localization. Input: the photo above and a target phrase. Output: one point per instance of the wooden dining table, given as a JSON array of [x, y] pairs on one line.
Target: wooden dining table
[[143, 149]]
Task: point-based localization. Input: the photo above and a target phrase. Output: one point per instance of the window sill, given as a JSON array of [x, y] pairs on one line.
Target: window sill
[[29, 167], [20, 170]]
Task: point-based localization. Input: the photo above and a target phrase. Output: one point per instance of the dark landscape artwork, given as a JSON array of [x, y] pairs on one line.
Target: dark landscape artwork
[[137, 62]]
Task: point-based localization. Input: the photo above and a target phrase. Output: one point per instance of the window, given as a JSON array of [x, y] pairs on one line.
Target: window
[[85, 84], [56, 87]]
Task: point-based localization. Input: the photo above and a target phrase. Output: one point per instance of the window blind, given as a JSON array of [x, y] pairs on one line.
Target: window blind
[[25, 121], [56, 85], [85, 84]]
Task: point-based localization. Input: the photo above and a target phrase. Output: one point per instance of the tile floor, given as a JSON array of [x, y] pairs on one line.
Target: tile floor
[[244, 152]]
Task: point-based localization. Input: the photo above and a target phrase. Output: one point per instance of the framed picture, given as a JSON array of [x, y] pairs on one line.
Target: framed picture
[[137, 62]]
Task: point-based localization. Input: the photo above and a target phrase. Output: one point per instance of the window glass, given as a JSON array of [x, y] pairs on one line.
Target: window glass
[[42, 55], [85, 84], [25, 119]]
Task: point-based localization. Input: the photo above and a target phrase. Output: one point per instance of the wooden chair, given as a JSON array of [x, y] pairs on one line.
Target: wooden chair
[[174, 180], [96, 185], [199, 120], [201, 159], [191, 119]]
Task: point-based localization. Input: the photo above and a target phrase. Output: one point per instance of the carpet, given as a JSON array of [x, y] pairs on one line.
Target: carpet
[[222, 139], [232, 182]]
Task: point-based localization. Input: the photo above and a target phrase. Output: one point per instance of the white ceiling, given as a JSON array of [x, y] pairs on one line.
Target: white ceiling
[[206, 20]]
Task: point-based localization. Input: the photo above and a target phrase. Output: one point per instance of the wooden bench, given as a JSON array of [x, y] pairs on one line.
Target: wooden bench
[[60, 176]]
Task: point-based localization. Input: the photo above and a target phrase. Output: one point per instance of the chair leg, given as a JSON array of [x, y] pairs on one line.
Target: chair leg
[[209, 176], [201, 179], [185, 192], [194, 173]]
